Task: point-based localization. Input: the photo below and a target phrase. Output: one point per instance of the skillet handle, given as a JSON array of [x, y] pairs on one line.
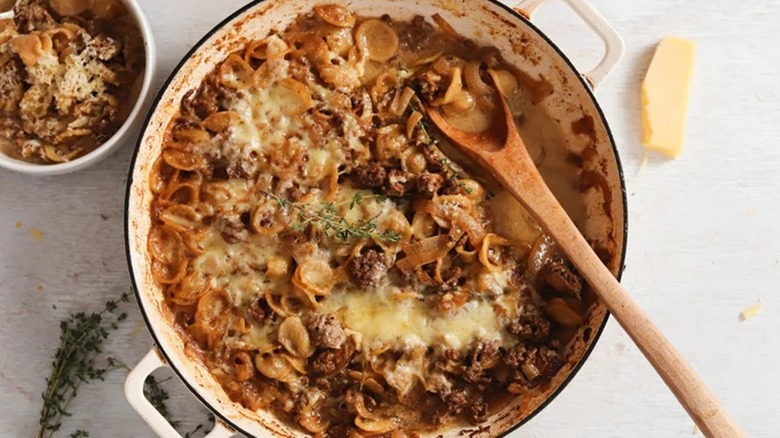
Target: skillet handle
[[614, 46], [134, 392]]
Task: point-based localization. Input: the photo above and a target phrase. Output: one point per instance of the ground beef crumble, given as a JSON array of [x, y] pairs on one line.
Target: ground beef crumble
[[329, 361], [325, 330], [260, 312], [531, 326], [562, 280], [371, 175], [544, 360], [483, 356], [428, 183], [366, 270], [397, 183]]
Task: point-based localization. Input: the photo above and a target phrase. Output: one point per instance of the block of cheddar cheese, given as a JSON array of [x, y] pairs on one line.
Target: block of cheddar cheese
[[665, 93]]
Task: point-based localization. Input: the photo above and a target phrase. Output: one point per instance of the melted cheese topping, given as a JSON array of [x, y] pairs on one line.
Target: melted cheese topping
[[384, 320], [265, 129], [238, 268], [262, 127]]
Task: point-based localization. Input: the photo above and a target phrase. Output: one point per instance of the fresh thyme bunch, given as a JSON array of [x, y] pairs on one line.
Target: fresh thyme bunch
[[81, 342]]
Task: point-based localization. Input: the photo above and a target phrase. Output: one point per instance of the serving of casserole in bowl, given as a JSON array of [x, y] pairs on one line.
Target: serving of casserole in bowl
[[313, 258], [74, 76]]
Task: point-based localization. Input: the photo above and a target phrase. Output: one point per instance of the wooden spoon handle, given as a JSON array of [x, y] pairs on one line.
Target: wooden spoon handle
[[686, 385]]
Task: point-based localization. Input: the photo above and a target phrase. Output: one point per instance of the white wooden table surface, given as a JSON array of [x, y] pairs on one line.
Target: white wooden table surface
[[704, 236]]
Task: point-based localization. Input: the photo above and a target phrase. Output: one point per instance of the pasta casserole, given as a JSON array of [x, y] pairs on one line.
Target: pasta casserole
[[69, 73], [327, 256]]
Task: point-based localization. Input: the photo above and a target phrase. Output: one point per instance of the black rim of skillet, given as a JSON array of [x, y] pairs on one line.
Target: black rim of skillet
[[223, 23]]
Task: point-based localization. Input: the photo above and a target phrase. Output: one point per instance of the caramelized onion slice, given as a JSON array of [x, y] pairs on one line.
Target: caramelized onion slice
[[542, 250], [460, 105], [474, 82], [412, 123], [505, 81], [427, 59], [377, 39], [491, 240], [457, 210], [562, 313], [446, 27], [455, 88], [426, 251], [336, 15], [402, 100]]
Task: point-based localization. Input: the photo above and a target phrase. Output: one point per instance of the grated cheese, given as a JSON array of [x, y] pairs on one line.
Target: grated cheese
[[751, 312]]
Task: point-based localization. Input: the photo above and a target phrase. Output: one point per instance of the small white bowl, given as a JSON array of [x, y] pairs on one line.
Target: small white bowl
[[125, 132]]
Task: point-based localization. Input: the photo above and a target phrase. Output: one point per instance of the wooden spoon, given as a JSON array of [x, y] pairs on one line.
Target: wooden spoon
[[504, 154]]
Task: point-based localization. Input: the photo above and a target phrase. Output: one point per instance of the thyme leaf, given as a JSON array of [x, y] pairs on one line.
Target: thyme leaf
[[75, 362], [326, 218]]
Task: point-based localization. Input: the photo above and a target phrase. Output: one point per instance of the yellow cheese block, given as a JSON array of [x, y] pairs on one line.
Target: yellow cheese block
[[665, 95]]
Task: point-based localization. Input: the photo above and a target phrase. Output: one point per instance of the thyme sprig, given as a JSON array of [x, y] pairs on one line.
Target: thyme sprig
[[433, 144], [159, 397], [75, 362], [326, 218]]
